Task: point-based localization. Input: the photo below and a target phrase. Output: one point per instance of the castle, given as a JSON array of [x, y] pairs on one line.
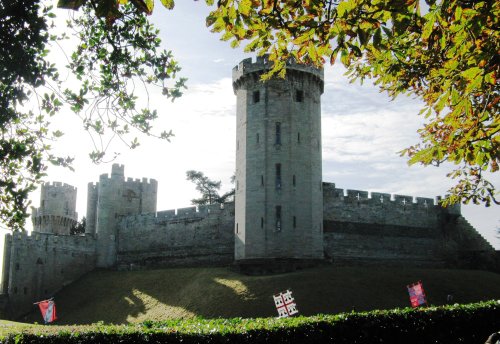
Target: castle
[[284, 216]]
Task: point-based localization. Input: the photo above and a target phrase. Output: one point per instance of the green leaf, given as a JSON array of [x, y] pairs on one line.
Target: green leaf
[[429, 26]]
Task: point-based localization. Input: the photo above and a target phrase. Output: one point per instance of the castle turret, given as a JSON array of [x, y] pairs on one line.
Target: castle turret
[[110, 198], [57, 212], [279, 205]]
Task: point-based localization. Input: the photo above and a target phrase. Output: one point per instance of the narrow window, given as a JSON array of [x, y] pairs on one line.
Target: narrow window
[[236, 228], [261, 222], [278, 176], [278, 217], [298, 137], [294, 222], [237, 145], [256, 96], [278, 133], [258, 138], [293, 180], [299, 96], [261, 180]]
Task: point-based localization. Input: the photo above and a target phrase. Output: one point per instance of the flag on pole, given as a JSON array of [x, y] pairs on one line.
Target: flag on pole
[[285, 304], [48, 309], [417, 294]]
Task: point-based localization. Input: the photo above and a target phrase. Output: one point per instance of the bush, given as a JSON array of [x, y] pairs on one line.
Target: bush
[[471, 323]]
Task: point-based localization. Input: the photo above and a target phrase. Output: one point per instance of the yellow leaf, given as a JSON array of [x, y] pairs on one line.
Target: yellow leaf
[[144, 5], [168, 4]]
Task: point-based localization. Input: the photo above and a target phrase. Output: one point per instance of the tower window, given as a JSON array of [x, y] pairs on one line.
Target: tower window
[[294, 222], [261, 222], [256, 96], [237, 145], [261, 180], [237, 229], [278, 218], [293, 180], [258, 138], [299, 96], [278, 176], [298, 137], [278, 133]]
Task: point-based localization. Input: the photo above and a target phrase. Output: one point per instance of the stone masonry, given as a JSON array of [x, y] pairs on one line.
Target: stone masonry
[[282, 210], [278, 163]]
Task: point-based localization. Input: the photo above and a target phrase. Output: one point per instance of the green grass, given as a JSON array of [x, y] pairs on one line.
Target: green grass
[[135, 296]]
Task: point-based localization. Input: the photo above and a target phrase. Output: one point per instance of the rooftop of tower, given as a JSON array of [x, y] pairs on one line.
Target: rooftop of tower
[[262, 63]]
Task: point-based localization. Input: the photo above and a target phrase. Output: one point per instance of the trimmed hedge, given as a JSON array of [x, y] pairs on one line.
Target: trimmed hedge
[[471, 323]]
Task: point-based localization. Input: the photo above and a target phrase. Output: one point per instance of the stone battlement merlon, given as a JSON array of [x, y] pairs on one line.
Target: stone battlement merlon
[[262, 64], [392, 199], [143, 181], [58, 185], [49, 238], [180, 213]]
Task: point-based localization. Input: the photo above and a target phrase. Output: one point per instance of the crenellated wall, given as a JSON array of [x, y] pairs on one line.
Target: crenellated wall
[[371, 228], [182, 237], [57, 211], [40, 264]]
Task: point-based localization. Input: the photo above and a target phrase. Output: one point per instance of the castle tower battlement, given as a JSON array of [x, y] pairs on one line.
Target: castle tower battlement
[[278, 200], [57, 211]]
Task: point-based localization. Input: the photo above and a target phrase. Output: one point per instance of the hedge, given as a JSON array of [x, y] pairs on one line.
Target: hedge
[[471, 323]]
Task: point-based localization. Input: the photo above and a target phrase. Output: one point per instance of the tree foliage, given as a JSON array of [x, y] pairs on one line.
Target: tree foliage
[[208, 188], [446, 52], [79, 227], [115, 55]]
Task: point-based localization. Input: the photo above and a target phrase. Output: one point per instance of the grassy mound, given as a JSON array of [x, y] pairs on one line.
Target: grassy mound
[[134, 296]]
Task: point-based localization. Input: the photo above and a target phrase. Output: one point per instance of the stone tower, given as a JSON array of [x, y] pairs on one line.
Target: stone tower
[[279, 198], [110, 198], [57, 212]]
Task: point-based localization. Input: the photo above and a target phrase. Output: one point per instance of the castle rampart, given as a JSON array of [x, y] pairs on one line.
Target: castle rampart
[[377, 227], [185, 237], [40, 264]]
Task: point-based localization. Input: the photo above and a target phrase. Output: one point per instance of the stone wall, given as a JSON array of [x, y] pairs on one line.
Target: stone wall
[[379, 228], [57, 211], [41, 264], [182, 237]]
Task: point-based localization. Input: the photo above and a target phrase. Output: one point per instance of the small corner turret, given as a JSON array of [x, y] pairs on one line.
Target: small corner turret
[[57, 211]]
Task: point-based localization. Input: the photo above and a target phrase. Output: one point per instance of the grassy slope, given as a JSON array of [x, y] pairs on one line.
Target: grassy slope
[[120, 297]]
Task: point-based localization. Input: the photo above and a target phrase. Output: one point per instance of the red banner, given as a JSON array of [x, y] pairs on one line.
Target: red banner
[[48, 309]]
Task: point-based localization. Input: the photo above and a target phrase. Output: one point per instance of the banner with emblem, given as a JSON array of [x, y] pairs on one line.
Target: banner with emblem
[[48, 310]]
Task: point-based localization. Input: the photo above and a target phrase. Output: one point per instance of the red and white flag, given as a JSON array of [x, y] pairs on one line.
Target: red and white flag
[[285, 304], [48, 309]]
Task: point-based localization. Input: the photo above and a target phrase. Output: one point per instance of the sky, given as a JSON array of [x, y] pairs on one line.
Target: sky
[[362, 130]]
